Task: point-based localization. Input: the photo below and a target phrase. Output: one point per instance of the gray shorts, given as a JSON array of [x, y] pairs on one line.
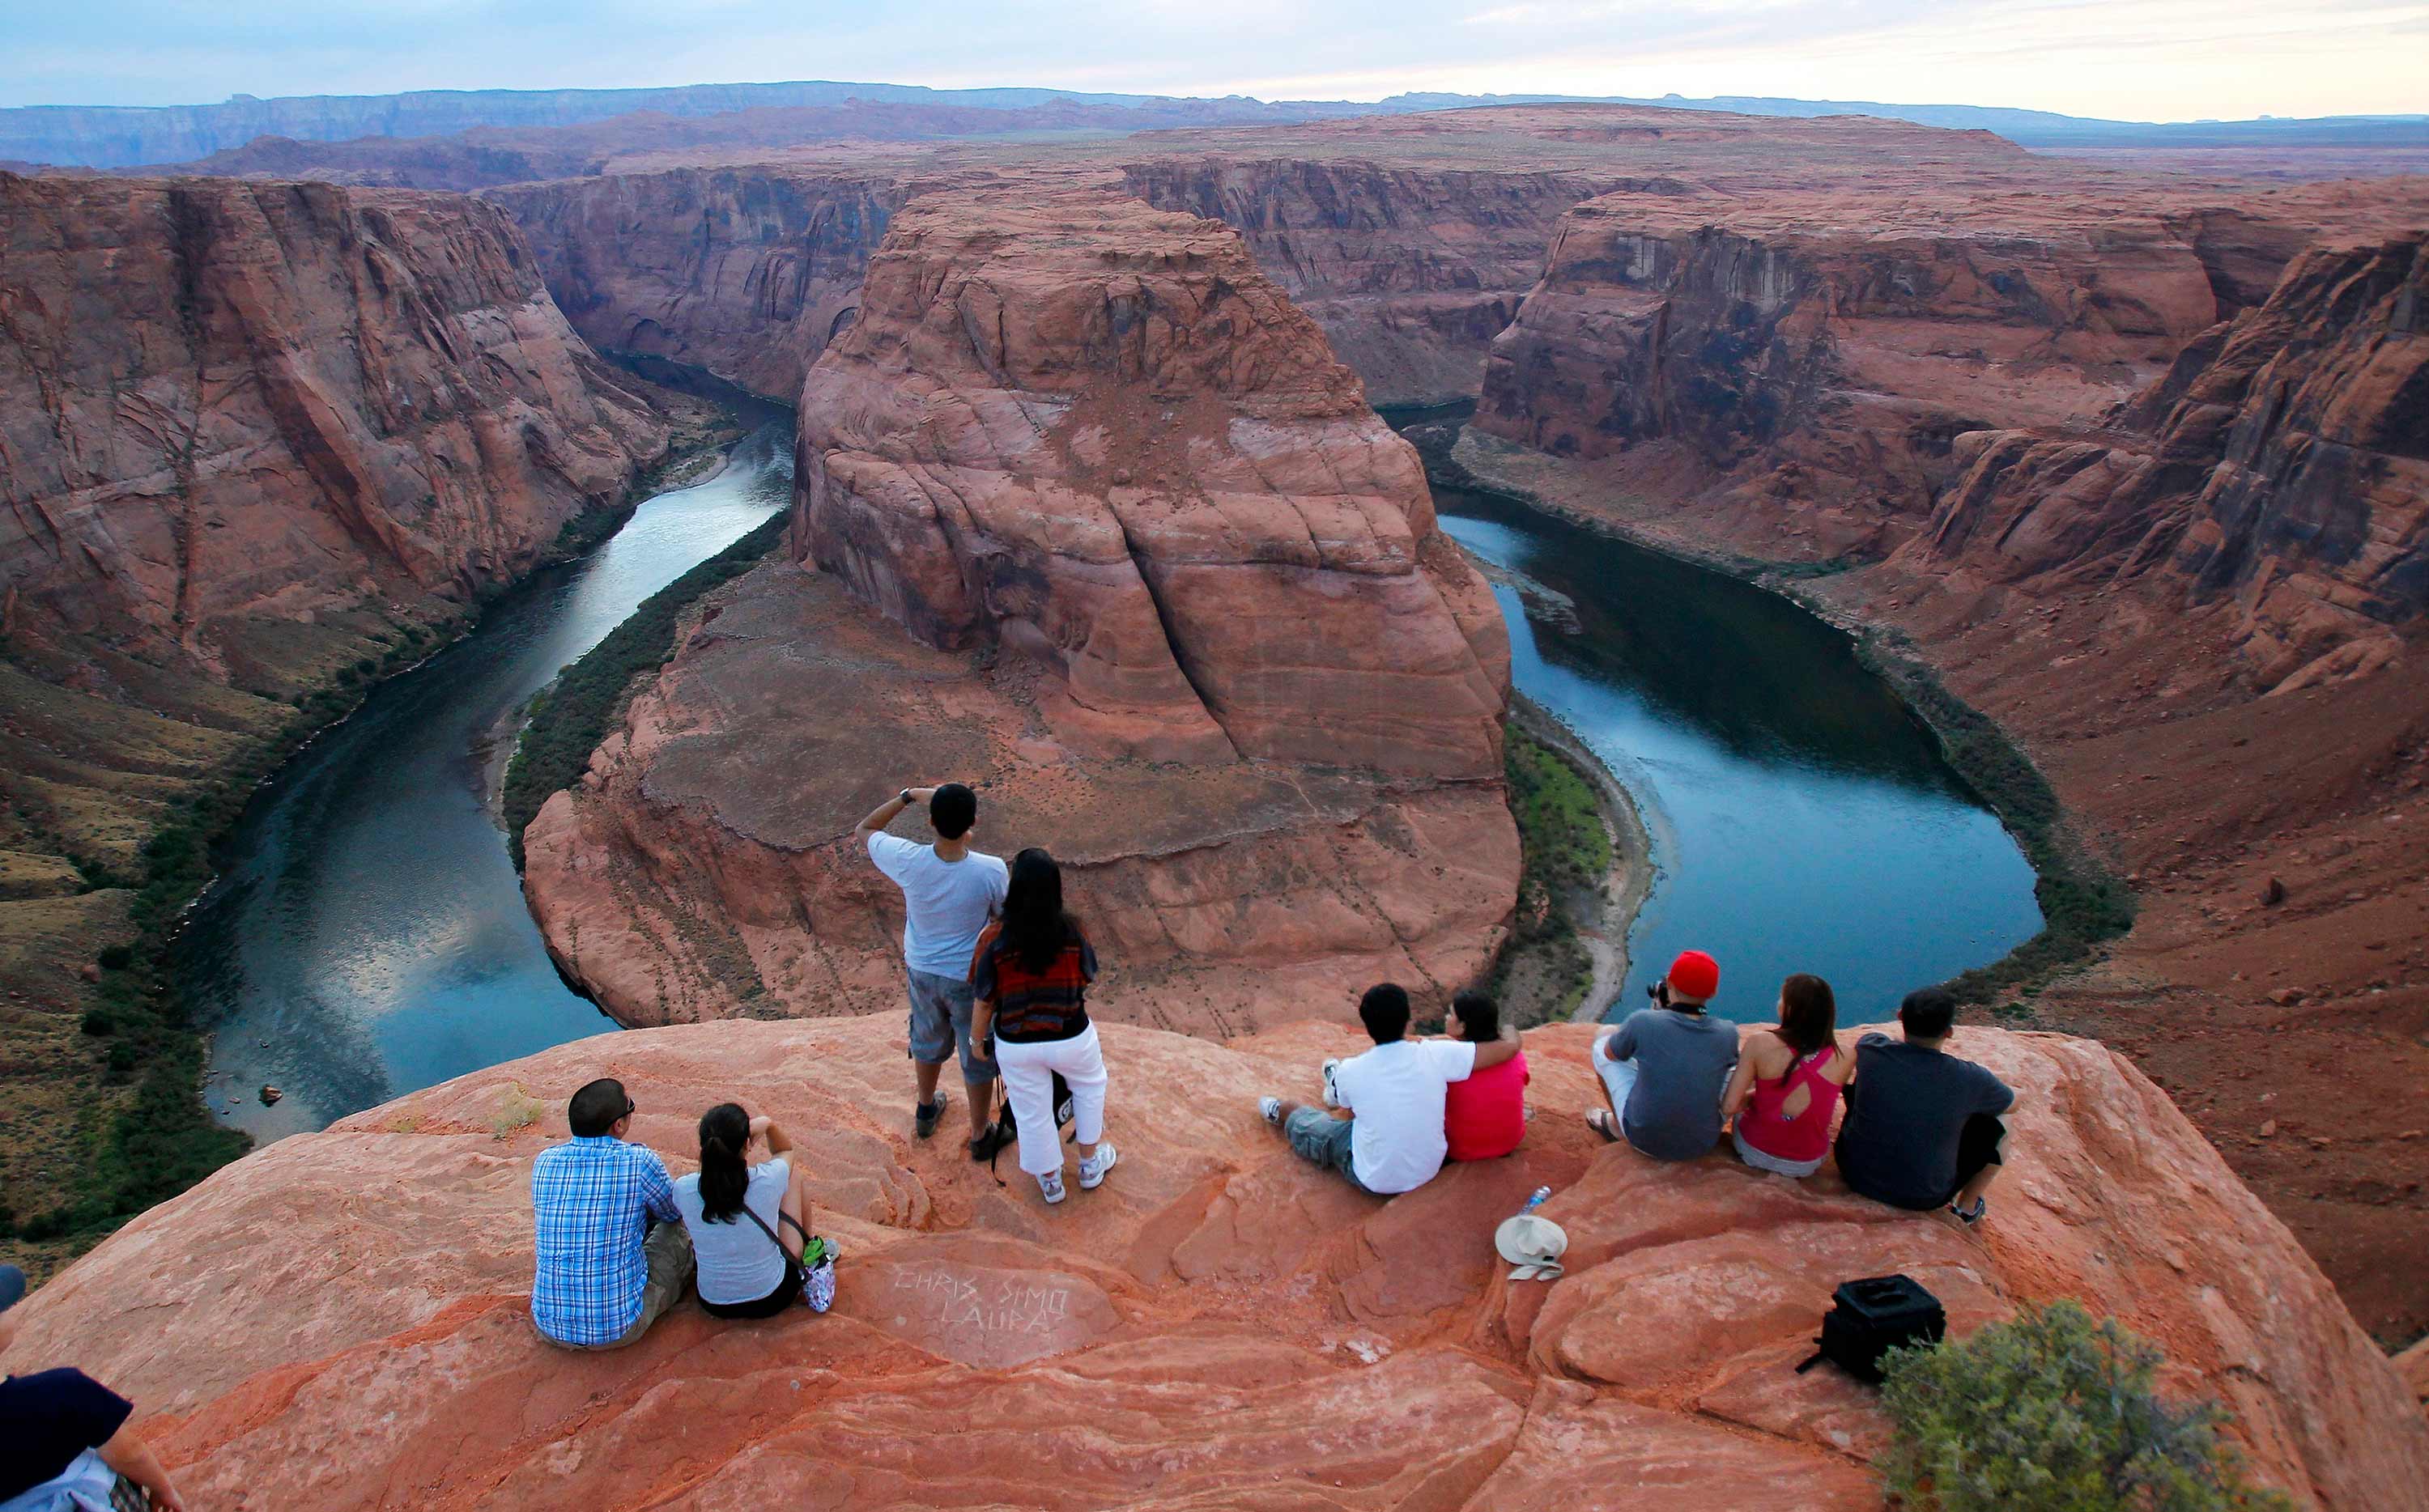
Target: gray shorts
[[940, 1025], [1317, 1136]]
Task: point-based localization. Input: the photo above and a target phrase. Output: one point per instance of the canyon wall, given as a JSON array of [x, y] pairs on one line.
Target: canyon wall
[[751, 270], [1221, 1324], [1103, 528], [1813, 357], [1411, 271], [2282, 466], [746, 272], [246, 401]]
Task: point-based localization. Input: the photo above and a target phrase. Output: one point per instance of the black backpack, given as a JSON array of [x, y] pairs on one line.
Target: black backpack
[[1870, 1317]]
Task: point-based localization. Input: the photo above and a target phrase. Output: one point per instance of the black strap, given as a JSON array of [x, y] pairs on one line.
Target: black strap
[[1818, 1356], [792, 1262]]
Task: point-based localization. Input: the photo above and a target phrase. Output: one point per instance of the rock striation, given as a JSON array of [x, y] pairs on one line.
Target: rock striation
[[1098, 525], [1410, 270], [746, 272], [1219, 1324], [2279, 471], [1094, 431], [250, 401]]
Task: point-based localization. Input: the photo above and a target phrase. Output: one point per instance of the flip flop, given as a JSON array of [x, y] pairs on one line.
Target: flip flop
[[1603, 1124]]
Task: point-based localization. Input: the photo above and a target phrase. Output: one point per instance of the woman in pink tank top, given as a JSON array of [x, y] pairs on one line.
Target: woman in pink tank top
[[1785, 1091]]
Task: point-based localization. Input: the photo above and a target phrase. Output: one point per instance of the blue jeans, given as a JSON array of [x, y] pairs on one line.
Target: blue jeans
[[940, 1024]]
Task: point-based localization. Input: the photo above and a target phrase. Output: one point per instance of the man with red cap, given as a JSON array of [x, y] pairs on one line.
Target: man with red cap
[[1667, 1066]]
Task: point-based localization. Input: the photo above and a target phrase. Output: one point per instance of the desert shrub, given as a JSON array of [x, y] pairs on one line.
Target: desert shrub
[[2054, 1412], [115, 958], [98, 1022]]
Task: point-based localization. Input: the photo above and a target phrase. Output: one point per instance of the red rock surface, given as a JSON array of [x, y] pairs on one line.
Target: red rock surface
[[1221, 1324], [248, 401], [745, 272], [1135, 558], [2279, 473], [1766, 348], [1093, 432]]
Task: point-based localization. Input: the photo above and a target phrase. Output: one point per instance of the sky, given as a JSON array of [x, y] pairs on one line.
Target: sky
[[2135, 60]]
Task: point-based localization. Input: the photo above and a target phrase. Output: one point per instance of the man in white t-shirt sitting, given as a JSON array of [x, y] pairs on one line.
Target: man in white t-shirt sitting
[[1392, 1140], [948, 894]]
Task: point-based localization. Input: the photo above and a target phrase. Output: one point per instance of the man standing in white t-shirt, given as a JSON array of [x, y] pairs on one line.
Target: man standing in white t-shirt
[[948, 894], [1392, 1140]]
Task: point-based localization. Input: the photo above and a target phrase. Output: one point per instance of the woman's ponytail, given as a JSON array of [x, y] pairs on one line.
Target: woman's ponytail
[[724, 1180]]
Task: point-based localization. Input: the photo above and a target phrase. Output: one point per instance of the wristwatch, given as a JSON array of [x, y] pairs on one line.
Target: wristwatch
[[906, 798]]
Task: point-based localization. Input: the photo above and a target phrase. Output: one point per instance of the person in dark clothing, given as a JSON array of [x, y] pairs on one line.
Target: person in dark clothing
[[63, 1435], [1924, 1127]]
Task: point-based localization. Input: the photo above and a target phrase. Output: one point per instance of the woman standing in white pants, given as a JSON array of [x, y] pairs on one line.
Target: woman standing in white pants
[[1029, 981]]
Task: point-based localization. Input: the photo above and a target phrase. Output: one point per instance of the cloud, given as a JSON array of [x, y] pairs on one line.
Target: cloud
[[2143, 59]]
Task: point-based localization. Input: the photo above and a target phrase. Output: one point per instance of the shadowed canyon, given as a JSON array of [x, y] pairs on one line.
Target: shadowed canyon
[[2118, 475]]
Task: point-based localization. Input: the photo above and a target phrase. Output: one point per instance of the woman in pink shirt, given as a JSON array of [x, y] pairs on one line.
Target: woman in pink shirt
[[1785, 1090], [1484, 1116]]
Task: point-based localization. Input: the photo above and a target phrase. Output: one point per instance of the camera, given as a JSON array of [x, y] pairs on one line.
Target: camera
[[1660, 991]]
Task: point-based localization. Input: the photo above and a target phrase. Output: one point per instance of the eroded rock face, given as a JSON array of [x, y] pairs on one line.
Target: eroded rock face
[[247, 401], [1219, 1324], [1412, 270], [1094, 433], [1793, 360], [746, 272], [2281, 467]]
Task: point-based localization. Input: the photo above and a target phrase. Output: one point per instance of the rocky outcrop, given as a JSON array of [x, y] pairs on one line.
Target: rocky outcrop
[[248, 402], [1412, 271], [746, 272], [2280, 472], [1218, 1324], [1106, 531], [1094, 433]]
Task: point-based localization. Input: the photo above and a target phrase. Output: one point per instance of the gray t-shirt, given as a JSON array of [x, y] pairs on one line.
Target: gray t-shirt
[[1683, 1063], [1905, 1109], [737, 1262]]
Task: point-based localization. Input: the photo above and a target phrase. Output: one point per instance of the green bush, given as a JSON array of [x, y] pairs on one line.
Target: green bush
[[98, 1022], [115, 958], [2054, 1412]]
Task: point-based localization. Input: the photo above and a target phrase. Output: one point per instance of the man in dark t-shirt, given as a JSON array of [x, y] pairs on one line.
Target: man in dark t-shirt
[[62, 1427], [1922, 1127]]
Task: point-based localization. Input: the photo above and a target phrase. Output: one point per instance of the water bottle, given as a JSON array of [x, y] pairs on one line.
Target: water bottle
[[1537, 1200]]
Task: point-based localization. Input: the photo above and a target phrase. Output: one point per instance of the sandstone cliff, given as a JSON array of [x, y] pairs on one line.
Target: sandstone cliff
[[746, 272], [258, 400], [2280, 468], [1411, 271], [340, 1320], [256, 436], [1131, 554], [1768, 352]]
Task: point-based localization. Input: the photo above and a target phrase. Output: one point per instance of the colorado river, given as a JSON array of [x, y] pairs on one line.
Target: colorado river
[[368, 935], [1802, 818]]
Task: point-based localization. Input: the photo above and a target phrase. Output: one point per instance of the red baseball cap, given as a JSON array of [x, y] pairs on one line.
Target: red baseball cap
[[1694, 975]]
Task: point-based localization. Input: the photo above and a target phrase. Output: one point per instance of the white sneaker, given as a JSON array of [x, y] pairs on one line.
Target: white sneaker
[[1271, 1108], [1092, 1172], [1332, 1088], [1052, 1185]]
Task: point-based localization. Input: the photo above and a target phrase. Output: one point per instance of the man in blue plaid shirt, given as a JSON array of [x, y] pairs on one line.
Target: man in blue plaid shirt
[[602, 1272]]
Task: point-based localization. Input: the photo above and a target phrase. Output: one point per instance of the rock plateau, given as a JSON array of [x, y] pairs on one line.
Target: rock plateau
[[1219, 1324]]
